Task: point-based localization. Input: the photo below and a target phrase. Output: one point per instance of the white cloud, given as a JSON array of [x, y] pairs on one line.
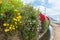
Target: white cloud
[[42, 0], [55, 10], [50, 11]]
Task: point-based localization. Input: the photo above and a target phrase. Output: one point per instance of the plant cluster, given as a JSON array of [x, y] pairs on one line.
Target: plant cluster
[[17, 17]]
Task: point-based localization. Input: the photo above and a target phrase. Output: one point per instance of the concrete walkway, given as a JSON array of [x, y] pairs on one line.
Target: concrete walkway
[[56, 31]]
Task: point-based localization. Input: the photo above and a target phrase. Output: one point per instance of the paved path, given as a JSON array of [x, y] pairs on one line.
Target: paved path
[[56, 31]]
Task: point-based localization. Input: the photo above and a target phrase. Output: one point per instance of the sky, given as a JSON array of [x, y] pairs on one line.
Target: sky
[[48, 7]]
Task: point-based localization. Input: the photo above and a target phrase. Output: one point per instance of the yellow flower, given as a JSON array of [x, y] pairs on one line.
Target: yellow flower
[[18, 13], [0, 2], [19, 17], [15, 22], [11, 25], [6, 30], [10, 28], [14, 19], [13, 28], [16, 10], [5, 24]]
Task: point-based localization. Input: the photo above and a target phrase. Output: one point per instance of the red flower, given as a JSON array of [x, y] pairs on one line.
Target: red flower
[[42, 17], [48, 18]]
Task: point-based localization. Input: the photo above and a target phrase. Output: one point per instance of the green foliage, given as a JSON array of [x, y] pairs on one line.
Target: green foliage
[[15, 17], [45, 25], [6, 5], [30, 22]]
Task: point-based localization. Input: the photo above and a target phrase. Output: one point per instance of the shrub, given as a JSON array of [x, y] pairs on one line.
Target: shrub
[[18, 19]]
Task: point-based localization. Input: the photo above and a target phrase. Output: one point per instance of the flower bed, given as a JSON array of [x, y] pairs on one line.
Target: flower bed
[[18, 21]]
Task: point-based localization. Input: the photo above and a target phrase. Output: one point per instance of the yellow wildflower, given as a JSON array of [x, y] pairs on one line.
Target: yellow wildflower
[[10, 28], [19, 17], [14, 19], [16, 10], [18, 13], [6, 30], [5, 24], [11, 25], [13, 28], [0, 2], [15, 22]]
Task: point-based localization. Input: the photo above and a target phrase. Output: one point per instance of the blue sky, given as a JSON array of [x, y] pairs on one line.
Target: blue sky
[[44, 3], [52, 6]]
